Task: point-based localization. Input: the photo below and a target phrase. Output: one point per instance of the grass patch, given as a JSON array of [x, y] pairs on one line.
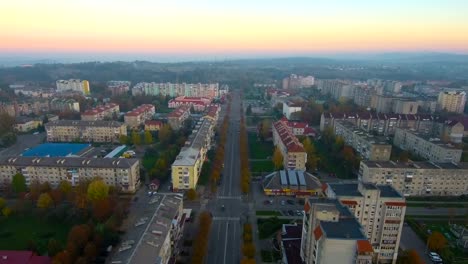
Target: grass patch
[[268, 213], [20, 230], [259, 149], [261, 166], [268, 227]]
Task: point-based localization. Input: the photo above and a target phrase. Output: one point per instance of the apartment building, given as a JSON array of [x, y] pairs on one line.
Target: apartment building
[[188, 164], [368, 146], [118, 87], [432, 149], [139, 115], [85, 131], [452, 101], [177, 117], [294, 155], [207, 90], [299, 128], [380, 210], [32, 90], [294, 81], [160, 240], [331, 234], [27, 107], [107, 111], [26, 124], [64, 105], [124, 174], [337, 89], [418, 178], [198, 103], [153, 125], [405, 106], [76, 85], [289, 108], [213, 112]]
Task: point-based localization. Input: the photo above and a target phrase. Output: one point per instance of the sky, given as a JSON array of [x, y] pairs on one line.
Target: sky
[[217, 27]]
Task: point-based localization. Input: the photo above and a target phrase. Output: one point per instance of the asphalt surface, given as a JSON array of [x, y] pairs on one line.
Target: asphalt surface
[[23, 142], [226, 230], [410, 240]]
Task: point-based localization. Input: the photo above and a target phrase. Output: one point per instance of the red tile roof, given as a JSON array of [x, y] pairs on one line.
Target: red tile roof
[[288, 138], [318, 233], [349, 202], [99, 109], [306, 207], [141, 109], [395, 203], [178, 112], [364, 246]]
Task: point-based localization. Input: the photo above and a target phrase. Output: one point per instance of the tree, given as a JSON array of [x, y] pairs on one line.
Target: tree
[[409, 257], [136, 138], [56, 195], [265, 129], [19, 183], [97, 190], [165, 134], [148, 137], [90, 251], [192, 194], [63, 257], [44, 201], [278, 159], [2, 203], [65, 187], [436, 241], [123, 139], [53, 247], [248, 250], [6, 211], [79, 235], [404, 156], [312, 158], [248, 111], [102, 209]]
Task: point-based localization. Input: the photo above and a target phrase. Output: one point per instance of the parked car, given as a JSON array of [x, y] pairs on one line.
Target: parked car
[[299, 213], [283, 202], [266, 202], [291, 202], [291, 213]]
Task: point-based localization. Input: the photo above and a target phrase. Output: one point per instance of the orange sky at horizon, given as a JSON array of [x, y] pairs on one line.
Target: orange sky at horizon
[[24, 28]]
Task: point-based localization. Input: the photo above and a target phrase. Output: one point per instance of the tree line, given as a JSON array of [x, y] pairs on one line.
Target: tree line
[[244, 156]]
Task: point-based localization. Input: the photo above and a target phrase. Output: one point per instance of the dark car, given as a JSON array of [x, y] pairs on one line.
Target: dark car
[[291, 202], [266, 202], [291, 213]]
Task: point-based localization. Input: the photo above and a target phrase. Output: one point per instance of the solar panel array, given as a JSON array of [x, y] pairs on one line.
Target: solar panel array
[[292, 178]]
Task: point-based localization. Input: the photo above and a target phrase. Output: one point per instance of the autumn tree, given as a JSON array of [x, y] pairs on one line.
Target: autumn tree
[[6, 211], [409, 257], [18, 183], [102, 209], [148, 137], [65, 186], [248, 249], [53, 247], [136, 138], [123, 139], [90, 251], [97, 190], [165, 134], [56, 196], [436, 241], [404, 156], [2, 203], [44, 201], [79, 235], [312, 158], [192, 194], [278, 159], [265, 129]]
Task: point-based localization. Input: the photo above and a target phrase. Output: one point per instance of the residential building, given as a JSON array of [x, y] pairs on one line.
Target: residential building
[[299, 128], [290, 238], [64, 105], [331, 234], [294, 81], [289, 108], [32, 90], [118, 87], [418, 178], [26, 124], [177, 117], [405, 106], [213, 112], [37, 106], [187, 166], [369, 146], [337, 89], [207, 90], [124, 174], [153, 125], [76, 85], [294, 155], [22, 257], [85, 131], [107, 111], [139, 115], [380, 210], [160, 240], [432, 149], [452, 101], [451, 130], [198, 103], [296, 183]]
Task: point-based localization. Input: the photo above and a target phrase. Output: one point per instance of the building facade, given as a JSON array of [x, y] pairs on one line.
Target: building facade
[[107, 111], [452, 101], [85, 131], [418, 178], [76, 85], [291, 183], [177, 117], [139, 115], [121, 173], [118, 87], [64, 105], [26, 124], [153, 125], [198, 103], [207, 90], [294, 155], [289, 108]]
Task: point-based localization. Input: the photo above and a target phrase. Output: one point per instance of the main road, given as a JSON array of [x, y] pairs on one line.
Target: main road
[[227, 206]]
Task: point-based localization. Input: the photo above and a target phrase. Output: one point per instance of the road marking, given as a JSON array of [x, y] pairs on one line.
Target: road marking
[[225, 242], [219, 218], [230, 197]]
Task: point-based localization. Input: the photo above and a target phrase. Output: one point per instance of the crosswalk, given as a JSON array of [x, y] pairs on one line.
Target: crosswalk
[[218, 218], [230, 197]]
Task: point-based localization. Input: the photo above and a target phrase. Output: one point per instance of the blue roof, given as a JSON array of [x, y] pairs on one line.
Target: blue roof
[[292, 177], [300, 176], [56, 150], [284, 180]]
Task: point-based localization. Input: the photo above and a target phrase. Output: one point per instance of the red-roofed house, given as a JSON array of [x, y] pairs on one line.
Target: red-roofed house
[[101, 112], [177, 117], [294, 155], [139, 115], [198, 103], [299, 128], [153, 125], [22, 257]]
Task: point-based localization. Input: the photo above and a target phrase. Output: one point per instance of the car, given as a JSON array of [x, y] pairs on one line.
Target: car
[[291, 202], [298, 212], [290, 212], [150, 193], [283, 202], [433, 254], [222, 207], [266, 202], [36, 133]]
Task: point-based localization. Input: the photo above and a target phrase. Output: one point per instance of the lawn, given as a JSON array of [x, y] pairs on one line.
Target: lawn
[[259, 149], [17, 231], [268, 213], [261, 166], [268, 227]]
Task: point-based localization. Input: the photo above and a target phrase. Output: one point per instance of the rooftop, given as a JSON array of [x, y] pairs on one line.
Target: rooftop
[[100, 109], [345, 189], [372, 139], [415, 165], [288, 138], [69, 162], [57, 150], [81, 123], [179, 111], [435, 141], [291, 178]]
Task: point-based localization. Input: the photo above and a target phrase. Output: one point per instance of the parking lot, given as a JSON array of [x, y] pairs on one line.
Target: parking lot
[[23, 143]]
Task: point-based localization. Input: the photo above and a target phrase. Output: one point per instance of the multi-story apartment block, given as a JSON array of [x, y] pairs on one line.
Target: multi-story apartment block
[[64, 105], [450, 130], [28, 107], [452, 101], [153, 125], [294, 155], [32, 90], [405, 106], [107, 111], [418, 178], [25, 124], [177, 117], [299, 128], [85, 131], [187, 166], [370, 147], [198, 103], [213, 112], [139, 115], [118, 87], [289, 108], [380, 209], [336, 88], [294, 81], [432, 149], [121, 173], [331, 234], [76, 85], [208, 90], [362, 96]]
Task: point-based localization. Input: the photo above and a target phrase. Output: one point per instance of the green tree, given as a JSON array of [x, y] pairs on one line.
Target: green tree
[[136, 138], [44, 201], [2, 203], [97, 190], [278, 159], [165, 134], [65, 186], [123, 139], [19, 183], [312, 158], [6, 211], [148, 137]]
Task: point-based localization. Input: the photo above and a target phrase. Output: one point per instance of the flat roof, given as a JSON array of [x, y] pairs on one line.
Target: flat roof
[[348, 228], [388, 191], [345, 189], [283, 179], [69, 162], [81, 123], [57, 150], [415, 165]]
